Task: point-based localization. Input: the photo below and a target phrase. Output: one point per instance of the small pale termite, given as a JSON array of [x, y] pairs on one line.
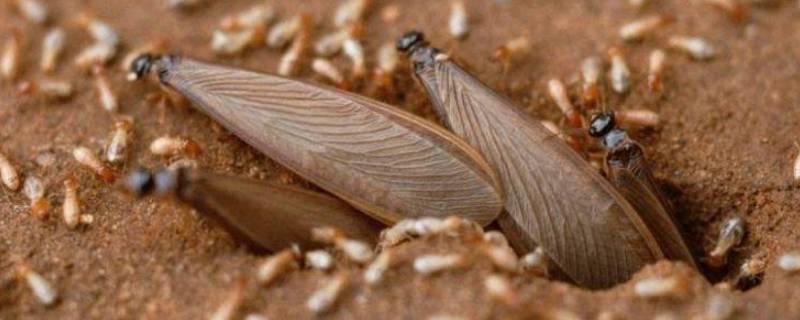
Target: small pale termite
[[655, 79], [559, 95], [285, 31], [383, 76], [32, 10], [290, 60], [515, 47], [99, 53], [458, 22], [499, 289], [502, 257], [495, 238], [117, 148], [376, 270], [319, 259], [258, 16], [432, 263], [230, 307], [325, 297], [8, 173], [797, 168], [355, 52], [170, 146], [790, 262], [591, 68], [10, 60], [41, 288], [276, 266], [719, 306], [355, 250], [332, 43], [235, 42], [638, 118], [34, 189], [52, 46], [639, 29], [696, 48], [619, 75], [751, 272], [390, 13], [328, 70], [535, 262], [105, 94], [89, 159], [349, 12], [72, 204], [100, 31], [48, 89], [658, 287], [730, 235], [735, 10]]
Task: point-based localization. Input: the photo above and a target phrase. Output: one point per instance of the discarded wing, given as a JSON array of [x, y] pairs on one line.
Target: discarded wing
[[553, 196], [383, 161], [262, 214]]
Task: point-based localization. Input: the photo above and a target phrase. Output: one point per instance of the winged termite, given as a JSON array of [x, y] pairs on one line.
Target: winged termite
[[554, 197], [383, 161], [262, 214], [627, 169]]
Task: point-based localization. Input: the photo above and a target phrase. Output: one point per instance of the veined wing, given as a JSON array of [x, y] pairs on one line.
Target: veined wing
[[271, 216], [384, 161], [585, 226]]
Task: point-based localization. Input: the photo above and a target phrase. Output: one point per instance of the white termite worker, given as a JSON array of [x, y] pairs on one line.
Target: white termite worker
[[790, 261], [516, 47], [500, 289], [289, 62], [49, 90], [730, 236], [89, 159], [117, 149], [9, 174], [72, 204], [620, 74], [32, 10], [35, 190], [591, 69], [735, 10], [105, 94], [325, 297], [10, 59], [376, 271], [319, 260], [459, 22], [171, 146], [641, 28], [432, 263], [100, 31], [558, 93], [329, 71], [355, 52], [355, 250], [98, 53], [349, 12], [228, 43], [258, 16], [383, 76], [695, 47], [52, 47], [41, 288], [276, 266], [231, 305], [655, 77], [283, 32], [661, 287]]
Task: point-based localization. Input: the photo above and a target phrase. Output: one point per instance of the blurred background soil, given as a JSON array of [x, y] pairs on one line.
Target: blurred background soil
[[725, 147]]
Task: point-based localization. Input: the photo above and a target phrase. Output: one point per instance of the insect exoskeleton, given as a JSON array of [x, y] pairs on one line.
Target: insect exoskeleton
[[10, 58], [559, 95], [730, 236], [657, 64], [72, 204], [640, 28], [660, 287], [172, 145], [52, 47], [117, 149], [9, 174], [41, 288], [35, 190], [434, 263], [89, 159], [458, 23], [619, 75], [695, 47]]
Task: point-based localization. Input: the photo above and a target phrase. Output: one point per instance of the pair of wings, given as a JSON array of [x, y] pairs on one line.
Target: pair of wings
[[554, 198], [384, 161]]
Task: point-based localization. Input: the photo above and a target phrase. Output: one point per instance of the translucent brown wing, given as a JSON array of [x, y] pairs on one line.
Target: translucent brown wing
[[633, 180], [586, 227], [384, 161], [271, 216]]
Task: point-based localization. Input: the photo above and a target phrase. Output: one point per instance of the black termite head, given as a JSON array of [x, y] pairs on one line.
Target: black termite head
[[145, 62], [410, 41], [141, 182], [421, 55], [603, 126]]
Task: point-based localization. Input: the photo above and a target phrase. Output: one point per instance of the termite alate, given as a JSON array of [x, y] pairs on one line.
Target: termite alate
[[105, 94], [638, 29], [170, 146], [276, 266], [319, 260], [325, 297], [34, 189], [696, 48], [354, 51], [41, 288], [730, 235], [638, 118], [655, 81], [559, 95], [535, 262], [88, 158], [590, 72], [10, 61], [8, 173], [499, 289], [52, 46], [458, 23], [789, 262], [430, 264], [234, 42], [118, 145], [658, 287], [332, 43], [375, 271], [328, 70], [349, 12], [100, 31], [619, 75], [230, 307], [290, 59], [99, 53], [32, 10], [284, 31], [258, 16], [72, 205], [502, 257]]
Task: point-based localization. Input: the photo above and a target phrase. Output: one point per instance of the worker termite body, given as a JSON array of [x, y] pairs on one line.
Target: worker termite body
[[117, 148], [52, 46], [549, 187], [730, 235], [10, 58]]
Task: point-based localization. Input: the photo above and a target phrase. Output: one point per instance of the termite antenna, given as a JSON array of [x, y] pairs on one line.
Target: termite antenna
[[602, 123], [140, 66], [411, 41]]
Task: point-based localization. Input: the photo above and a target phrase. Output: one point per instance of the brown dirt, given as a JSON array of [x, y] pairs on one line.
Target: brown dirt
[[725, 147]]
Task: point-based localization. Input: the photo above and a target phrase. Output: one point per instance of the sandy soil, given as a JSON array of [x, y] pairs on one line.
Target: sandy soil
[[725, 147]]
